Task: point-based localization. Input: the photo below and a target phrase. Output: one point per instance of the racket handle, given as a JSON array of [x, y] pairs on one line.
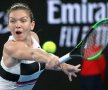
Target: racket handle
[[65, 58]]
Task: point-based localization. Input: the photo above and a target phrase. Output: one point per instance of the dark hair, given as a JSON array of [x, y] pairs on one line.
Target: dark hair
[[21, 6]]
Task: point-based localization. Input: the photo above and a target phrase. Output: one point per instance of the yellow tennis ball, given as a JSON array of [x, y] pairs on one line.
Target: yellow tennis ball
[[49, 46]]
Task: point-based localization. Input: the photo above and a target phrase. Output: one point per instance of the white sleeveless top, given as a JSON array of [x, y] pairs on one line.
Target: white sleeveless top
[[26, 80]]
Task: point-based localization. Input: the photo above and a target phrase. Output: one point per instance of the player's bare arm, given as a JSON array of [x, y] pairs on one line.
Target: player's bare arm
[[24, 52]]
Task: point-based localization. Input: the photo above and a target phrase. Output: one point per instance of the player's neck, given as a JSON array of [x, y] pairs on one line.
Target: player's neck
[[29, 42]]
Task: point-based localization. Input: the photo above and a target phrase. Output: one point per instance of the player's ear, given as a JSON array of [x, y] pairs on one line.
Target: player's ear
[[32, 25]]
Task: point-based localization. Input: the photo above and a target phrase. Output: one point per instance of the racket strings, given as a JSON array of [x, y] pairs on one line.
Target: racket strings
[[91, 51], [96, 41]]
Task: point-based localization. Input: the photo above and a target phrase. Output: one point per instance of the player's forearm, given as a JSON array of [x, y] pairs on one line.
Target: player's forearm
[[40, 56], [32, 54]]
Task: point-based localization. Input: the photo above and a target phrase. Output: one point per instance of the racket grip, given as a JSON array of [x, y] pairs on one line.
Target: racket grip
[[65, 58]]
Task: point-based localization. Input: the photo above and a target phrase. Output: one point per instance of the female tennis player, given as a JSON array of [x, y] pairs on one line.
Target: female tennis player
[[23, 59]]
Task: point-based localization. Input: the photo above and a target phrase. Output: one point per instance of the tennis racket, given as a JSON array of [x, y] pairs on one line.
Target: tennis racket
[[93, 44]]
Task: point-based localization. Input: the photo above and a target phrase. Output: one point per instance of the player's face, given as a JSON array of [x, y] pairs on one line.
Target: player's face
[[20, 24]]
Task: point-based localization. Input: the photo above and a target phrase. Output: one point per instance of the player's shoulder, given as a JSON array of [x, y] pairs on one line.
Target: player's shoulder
[[8, 47], [11, 45]]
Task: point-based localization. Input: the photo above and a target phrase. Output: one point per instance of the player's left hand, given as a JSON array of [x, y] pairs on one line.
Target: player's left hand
[[70, 70]]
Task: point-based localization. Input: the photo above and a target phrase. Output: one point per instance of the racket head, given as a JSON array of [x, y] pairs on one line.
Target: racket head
[[95, 41]]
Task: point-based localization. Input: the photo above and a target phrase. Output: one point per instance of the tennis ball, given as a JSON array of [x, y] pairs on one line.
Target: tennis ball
[[49, 46]]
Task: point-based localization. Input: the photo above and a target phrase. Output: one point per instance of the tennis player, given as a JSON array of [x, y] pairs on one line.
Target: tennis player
[[23, 59]]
